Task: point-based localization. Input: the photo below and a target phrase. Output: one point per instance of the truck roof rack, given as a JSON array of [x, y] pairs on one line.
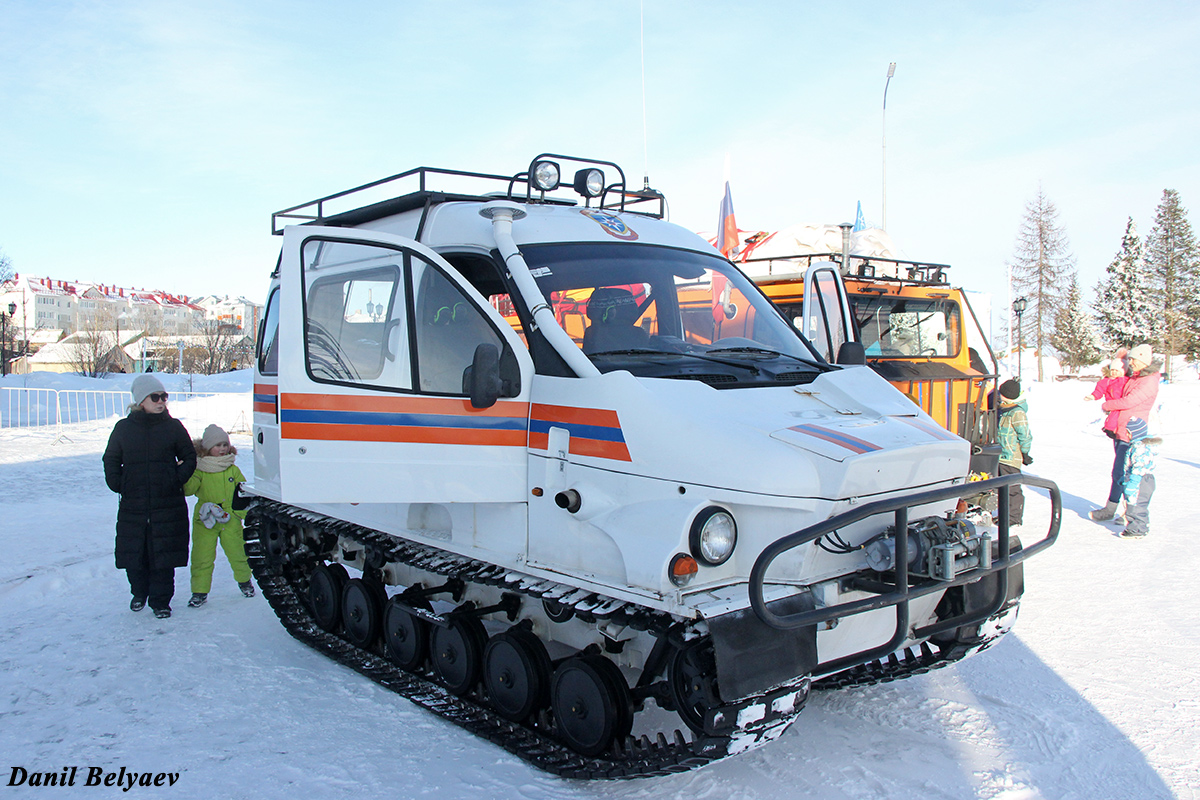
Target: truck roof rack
[[901, 270], [425, 186]]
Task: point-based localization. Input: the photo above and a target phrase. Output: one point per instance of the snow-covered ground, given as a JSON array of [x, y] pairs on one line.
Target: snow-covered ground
[[1095, 695]]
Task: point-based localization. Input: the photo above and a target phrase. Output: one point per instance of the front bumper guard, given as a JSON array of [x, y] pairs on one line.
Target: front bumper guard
[[901, 593]]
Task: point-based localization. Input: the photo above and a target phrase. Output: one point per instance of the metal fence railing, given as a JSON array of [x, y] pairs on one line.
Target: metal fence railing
[[57, 410]]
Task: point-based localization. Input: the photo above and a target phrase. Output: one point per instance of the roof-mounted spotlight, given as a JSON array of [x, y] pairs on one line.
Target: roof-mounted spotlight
[[545, 176], [589, 182]]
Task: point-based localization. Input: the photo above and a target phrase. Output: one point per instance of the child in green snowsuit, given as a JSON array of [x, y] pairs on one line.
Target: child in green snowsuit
[[213, 483]]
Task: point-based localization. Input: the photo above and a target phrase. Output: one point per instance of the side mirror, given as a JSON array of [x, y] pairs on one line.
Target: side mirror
[[481, 380], [852, 354]]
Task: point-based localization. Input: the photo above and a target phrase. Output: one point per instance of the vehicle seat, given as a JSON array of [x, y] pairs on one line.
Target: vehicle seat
[[612, 313]]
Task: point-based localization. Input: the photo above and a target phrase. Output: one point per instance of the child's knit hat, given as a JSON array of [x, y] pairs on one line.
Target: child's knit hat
[[213, 436], [1010, 389], [1138, 429]]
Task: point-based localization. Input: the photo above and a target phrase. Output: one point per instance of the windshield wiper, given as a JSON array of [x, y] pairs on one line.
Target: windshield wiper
[[641, 351], [767, 351]]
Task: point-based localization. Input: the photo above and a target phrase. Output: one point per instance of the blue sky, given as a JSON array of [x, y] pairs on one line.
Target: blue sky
[[147, 143]]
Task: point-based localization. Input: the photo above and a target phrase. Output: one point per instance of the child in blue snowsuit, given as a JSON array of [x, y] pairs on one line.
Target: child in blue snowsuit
[[1139, 478]]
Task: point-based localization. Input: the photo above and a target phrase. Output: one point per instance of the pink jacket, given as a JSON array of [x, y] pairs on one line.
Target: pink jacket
[[1135, 401], [1110, 389]]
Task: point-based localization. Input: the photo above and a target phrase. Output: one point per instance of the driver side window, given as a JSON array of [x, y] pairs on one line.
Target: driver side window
[[447, 328]]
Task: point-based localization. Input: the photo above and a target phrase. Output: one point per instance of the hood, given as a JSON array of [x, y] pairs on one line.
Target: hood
[[847, 434]]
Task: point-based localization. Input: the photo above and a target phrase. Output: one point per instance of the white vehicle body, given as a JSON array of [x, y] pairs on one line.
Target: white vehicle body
[[578, 472]]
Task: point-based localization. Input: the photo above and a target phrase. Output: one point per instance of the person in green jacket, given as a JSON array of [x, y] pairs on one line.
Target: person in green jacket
[[1015, 443], [214, 482]]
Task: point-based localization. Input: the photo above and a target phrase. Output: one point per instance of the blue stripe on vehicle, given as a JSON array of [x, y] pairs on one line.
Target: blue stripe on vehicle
[[576, 430], [405, 420]]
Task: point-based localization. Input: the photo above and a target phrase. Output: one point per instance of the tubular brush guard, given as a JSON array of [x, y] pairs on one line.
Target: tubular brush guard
[[901, 593]]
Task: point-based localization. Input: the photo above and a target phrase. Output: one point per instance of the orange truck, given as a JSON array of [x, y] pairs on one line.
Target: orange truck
[[916, 330]]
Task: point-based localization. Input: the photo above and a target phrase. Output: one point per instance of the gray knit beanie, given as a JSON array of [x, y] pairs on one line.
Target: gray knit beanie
[[143, 385], [213, 436]]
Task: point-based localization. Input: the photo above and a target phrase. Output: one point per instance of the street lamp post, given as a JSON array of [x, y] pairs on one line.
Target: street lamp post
[[3, 338], [891, 72], [5, 329], [1019, 309]]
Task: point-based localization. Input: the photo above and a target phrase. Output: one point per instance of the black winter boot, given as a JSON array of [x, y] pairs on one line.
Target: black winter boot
[[198, 599], [247, 589], [1103, 514]]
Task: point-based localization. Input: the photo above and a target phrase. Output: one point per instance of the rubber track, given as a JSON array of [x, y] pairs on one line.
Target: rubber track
[[905, 664], [633, 758]]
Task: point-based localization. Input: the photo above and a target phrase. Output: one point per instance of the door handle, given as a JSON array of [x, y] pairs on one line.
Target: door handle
[[260, 437]]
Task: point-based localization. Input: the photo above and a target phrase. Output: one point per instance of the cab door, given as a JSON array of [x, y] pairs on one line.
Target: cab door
[[826, 311], [376, 334], [266, 401]]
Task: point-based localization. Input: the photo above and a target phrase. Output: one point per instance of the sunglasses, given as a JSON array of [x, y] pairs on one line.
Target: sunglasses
[[158, 397]]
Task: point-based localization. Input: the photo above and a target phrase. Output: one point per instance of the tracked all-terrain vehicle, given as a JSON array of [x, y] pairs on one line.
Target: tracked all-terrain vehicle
[[507, 465]]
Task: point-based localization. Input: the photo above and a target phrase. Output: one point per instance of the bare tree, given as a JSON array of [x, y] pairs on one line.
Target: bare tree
[[6, 269], [92, 345], [215, 351], [1042, 267]]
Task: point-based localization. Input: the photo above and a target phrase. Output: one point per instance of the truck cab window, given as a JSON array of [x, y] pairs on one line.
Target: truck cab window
[[268, 345], [355, 329], [448, 327]]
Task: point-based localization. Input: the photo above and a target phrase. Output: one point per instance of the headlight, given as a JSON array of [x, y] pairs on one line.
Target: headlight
[[713, 536], [545, 176], [589, 182]]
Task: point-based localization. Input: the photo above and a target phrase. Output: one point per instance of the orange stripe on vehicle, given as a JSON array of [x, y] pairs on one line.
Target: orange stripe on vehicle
[[617, 451], [581, 416], [401, 434]]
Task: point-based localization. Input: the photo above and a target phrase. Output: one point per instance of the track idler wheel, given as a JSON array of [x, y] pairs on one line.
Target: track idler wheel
[[325, 587], [691, 676], [457, 653], [405, 636], [591, 704], [516, 672], [362, 611]]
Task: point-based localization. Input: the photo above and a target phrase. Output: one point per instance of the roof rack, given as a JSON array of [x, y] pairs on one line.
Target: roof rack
[[912, 272], [425, 186]]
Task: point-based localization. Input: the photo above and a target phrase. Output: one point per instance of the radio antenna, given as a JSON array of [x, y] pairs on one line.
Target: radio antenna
[[645, 136]]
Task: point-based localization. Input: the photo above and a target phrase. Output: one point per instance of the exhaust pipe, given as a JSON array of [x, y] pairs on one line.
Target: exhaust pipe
[[846, 228], [502, 214]]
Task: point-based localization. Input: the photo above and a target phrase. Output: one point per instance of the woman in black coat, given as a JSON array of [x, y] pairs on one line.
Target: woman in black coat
[[148, 459]]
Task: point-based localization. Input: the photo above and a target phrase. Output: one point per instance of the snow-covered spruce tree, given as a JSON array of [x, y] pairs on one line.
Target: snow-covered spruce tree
[[1041, 264], [1074, 336], [1173, 261], [1124, 315]]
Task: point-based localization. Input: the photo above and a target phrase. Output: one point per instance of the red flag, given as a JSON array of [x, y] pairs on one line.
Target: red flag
[[727, 232]]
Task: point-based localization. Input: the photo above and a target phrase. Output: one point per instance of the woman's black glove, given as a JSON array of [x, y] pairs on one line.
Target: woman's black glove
[[1026, 459]]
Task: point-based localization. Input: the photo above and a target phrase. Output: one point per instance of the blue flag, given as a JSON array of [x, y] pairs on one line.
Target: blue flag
[[859, 223]]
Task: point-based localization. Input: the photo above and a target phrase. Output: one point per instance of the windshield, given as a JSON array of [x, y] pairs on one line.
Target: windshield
[[894, 326], [662, 312]]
